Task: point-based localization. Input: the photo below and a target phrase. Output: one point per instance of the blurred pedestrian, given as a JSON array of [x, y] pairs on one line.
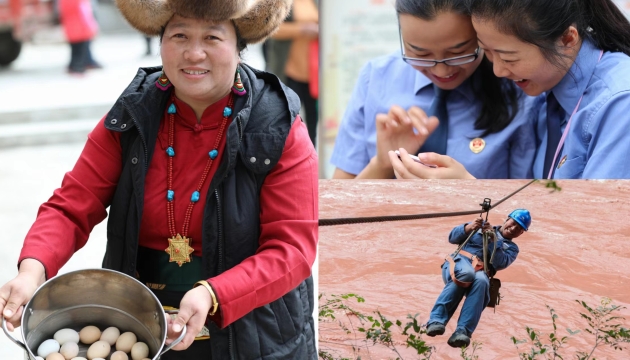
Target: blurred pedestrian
[[149, 48], [302, 30], [80, 27]]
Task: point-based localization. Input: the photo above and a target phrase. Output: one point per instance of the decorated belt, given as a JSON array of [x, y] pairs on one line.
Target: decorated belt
[[157, 273], [168, 281]]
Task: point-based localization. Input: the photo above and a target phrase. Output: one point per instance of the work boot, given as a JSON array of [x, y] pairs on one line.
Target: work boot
[[459, 339], [435, 329]]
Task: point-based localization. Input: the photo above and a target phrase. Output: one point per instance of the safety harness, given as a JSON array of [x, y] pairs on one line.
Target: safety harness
[[478, 264]]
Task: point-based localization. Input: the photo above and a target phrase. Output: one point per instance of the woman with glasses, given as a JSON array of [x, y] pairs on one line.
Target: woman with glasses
[[440, 96], [576, 53]]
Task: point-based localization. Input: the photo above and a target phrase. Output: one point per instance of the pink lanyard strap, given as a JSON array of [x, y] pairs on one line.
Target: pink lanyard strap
[[566, 130]]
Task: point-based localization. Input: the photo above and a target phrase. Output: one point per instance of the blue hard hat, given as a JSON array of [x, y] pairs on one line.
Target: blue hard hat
[[522, 217]]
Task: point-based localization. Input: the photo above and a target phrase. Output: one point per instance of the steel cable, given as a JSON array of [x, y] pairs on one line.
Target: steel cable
[[374, 219]]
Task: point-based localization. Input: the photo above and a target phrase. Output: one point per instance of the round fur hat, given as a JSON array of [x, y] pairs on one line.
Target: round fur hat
[[255, 19]]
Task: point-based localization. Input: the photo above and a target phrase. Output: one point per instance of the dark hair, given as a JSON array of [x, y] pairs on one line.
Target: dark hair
[[499, 97], [241, 44], [543, 22]]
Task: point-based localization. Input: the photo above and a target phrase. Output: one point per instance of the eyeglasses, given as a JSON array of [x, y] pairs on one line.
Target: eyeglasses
[[454, 61]]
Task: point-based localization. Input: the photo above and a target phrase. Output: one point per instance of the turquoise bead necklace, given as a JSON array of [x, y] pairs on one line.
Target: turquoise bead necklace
[[179, 247]]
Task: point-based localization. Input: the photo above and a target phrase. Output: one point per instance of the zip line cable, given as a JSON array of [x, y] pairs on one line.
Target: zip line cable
[[374, 219]]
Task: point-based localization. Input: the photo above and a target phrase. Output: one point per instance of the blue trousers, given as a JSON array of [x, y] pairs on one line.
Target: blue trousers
[[477, 296]]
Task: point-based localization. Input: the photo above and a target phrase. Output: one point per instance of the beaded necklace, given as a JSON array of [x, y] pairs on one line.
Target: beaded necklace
[[179, 245]]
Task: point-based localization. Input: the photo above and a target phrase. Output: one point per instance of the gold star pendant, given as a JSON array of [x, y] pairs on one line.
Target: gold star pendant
[[179, 250]]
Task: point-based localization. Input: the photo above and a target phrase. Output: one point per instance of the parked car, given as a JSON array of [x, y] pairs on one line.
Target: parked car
[[19, 20]]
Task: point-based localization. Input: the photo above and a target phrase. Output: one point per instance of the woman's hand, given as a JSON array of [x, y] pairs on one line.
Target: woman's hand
[[17, 292], [193, 311], [447, 167], [395, 130]]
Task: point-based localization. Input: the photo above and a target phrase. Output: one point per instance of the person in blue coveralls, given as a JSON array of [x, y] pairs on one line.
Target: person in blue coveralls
[[439, 96], [576, 54], [463, 273]]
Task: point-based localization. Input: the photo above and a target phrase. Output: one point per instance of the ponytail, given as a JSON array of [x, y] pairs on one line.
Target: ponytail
[[610, 27], [498, 97]]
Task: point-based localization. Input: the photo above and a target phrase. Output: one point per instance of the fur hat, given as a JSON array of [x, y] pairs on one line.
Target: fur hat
[[255, 19]]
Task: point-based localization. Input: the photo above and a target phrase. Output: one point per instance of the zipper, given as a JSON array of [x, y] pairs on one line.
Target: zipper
[[220, 230], [240, 129], [221, 265]]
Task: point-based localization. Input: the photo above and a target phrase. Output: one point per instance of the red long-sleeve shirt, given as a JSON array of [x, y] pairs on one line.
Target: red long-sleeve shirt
[[288, 213]]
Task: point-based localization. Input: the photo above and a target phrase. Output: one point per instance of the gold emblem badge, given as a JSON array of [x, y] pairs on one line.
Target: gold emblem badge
[[564, 159], [179, 250], [477, 145]]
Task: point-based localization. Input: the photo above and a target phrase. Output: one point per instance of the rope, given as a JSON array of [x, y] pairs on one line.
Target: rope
[[375, 219], [486, 240]]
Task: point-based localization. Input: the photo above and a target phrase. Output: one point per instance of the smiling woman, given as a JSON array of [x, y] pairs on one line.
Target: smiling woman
[[211, 182], [199, 58], [437, 97], [578, 52]]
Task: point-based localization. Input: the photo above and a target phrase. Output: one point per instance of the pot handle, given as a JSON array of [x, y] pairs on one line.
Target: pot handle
[[177, 341], [8, 334]]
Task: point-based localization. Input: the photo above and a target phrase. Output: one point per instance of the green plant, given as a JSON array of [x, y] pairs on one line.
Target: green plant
[[377, 330], [603, 324], [473, 348], [550, 184]]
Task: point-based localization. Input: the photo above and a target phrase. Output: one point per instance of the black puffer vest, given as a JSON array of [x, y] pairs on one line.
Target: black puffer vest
[[283, 329]]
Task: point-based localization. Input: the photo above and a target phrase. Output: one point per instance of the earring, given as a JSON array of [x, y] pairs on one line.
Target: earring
[[238, 87], [163, 83]]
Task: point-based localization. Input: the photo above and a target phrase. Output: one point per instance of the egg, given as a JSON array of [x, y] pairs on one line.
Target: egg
[[125, 341], [69, 350], [66, 335], [119, 355], [99, 349], [55, 356], [139, 351], [110, 335], [48, 347], [81, 358], [89, 334]]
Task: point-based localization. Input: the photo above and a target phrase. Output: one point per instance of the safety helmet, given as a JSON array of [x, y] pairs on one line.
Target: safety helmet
[[522, 217]]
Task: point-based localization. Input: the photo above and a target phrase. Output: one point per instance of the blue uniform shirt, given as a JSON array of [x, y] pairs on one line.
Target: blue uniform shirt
[[598, 143], [504, 256], [388, 81]]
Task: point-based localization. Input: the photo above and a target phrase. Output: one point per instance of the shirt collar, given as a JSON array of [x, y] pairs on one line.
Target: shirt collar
[[465, 88], [212, 115], [572, 87], [497, 230], [421, 81]]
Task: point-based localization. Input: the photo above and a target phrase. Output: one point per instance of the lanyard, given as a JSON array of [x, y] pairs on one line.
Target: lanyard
[[566, 130]]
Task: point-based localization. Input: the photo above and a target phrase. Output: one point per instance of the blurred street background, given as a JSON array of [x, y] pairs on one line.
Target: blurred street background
[[45, 116]]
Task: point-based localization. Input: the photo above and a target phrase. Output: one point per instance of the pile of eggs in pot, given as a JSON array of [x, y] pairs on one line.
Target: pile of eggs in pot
[[65, 345]]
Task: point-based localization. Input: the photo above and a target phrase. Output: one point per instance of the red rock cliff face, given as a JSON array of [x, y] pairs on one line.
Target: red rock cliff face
[[578, 247]]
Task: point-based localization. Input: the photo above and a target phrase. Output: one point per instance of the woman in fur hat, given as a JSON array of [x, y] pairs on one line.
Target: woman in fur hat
[[211, 183]]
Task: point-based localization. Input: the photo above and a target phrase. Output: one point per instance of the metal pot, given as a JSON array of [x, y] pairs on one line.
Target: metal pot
[[98, 297]]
